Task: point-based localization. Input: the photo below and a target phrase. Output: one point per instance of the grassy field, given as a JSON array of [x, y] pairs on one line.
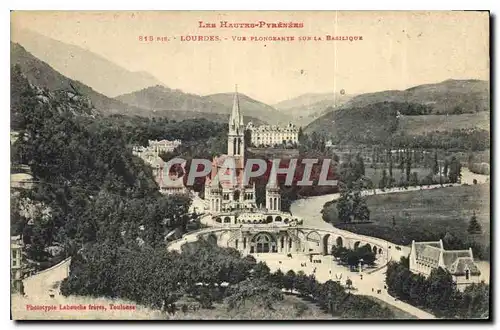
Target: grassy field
[[417, 125], [424, 215]]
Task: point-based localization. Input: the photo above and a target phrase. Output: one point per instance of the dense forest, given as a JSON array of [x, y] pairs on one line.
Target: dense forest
[[88, 187]]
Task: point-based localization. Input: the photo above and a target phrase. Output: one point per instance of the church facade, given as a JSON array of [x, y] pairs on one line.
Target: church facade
[[225, 189], [232, 202]]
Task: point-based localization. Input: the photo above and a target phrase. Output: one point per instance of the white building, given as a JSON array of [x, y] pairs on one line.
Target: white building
[[163, 145], [426, 256], [151, 156], [269, 135]]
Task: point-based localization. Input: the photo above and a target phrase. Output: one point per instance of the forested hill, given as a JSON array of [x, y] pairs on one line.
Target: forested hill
[[252, 107], [83, 65], [88, 186], [307, 107], [447, 97], [161, 99], [403, 124], [43, 75]]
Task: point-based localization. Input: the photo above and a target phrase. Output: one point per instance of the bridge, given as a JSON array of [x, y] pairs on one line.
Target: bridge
[[285, 239]]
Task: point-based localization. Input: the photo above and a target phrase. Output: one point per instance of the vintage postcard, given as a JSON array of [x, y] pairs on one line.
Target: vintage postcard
[[250, 165]]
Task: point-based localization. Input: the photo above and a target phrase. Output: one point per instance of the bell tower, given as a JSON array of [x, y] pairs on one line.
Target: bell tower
[[273, 196], [236, 135]]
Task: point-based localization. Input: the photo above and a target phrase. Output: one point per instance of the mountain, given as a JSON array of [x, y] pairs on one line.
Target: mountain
[[162, 99], [251, 106], [372, 122], [447, 97], [80, 64], [307, 107], [431, 108], [43, 75], [304, 100], [379, 123]]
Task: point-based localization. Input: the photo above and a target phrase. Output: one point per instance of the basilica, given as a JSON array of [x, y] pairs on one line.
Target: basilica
[[232, 201]]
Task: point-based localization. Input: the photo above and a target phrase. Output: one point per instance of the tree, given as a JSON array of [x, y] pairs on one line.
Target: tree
[[474, 225], [360, 208], [300, 282], [390, 164], [360, 165], [408, 164], [301, 136], [351, 205], [440, 290], [345, 206], [414, 179], [205, 298], [475, 301], [455, 170], [279, 278], [258, 291], [261, 270], [445, 167], [289, 280], [435, 165], [383, 181], [402, 162]]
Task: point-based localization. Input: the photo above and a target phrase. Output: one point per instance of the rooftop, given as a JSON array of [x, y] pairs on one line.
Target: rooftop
[[455, 261]]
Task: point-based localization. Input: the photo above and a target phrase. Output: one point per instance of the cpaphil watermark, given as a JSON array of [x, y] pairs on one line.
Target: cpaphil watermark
[[231, 172]]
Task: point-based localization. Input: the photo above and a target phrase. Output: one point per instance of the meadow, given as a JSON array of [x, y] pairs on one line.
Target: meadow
[[417, 125], [425, 215]]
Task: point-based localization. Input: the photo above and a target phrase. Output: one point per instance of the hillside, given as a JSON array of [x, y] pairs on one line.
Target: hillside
[[376, 121], [447, 97], [161, 99], [305, 108], [384, 122], [72, 61], [43, 75], [250, 106], [431, 123]]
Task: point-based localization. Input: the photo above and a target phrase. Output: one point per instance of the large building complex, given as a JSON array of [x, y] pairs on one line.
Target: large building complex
[[151, 156], [426, 256], [270, 135], [232, 202]]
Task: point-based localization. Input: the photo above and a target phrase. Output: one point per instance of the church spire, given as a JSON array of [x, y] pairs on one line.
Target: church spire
[[236, 138], [236, 117]]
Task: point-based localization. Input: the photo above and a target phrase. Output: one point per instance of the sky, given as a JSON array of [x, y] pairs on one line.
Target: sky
[[398, 50]]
